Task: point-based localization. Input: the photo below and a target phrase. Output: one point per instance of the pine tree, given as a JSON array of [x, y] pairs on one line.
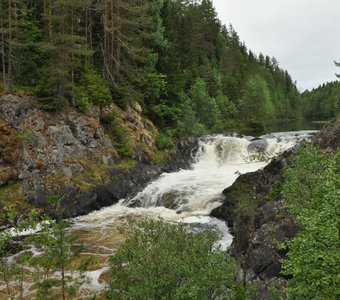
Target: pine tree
[[66, 49]]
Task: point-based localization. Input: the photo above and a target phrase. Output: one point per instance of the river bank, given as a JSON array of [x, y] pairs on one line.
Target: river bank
[[254, 210]]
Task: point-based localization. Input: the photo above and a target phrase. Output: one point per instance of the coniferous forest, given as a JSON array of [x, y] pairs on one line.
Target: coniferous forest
[[80, 81], [322, 103], [174, 57]]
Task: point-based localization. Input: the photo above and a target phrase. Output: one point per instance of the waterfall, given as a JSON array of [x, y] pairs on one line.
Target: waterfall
[[190, 195], [186, 196]]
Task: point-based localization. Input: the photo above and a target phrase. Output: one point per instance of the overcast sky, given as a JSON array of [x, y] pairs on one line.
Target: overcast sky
[[303, 35]]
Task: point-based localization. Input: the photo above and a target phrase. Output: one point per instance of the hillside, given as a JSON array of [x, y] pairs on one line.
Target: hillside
[[173, 57], [323, 102]]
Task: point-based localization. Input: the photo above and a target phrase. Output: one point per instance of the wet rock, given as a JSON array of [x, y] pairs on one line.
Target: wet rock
[[329, 138], [256, 222], [85, 201], [258, 146], [254, 211]]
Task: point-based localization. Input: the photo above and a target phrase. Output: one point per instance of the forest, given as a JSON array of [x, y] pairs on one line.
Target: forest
[[174, 57], [322, 103], [191, 75]]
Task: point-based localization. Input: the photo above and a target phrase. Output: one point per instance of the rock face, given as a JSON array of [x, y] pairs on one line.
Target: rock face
[[10, 155], [330, 137], [253, 210], [69, 154], [122, 183]]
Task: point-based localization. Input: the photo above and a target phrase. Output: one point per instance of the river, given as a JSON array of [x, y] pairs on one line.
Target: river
[[186, 196]]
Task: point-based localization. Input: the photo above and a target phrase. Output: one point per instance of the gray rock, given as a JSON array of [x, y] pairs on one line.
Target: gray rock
[[27, 167], [76, 168], [61, 135]]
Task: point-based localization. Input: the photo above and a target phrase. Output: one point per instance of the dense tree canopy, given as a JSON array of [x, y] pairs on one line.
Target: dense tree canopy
[[322, 103], [172, 56]]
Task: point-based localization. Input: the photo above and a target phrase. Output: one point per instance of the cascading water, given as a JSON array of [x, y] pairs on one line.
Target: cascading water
[[186, 196]]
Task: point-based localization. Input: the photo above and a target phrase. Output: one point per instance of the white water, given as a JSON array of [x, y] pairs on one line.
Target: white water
[[186, 196], [190, 195]]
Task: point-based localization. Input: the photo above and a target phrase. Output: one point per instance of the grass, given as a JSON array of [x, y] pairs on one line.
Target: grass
[[161, 156], [12, 195]]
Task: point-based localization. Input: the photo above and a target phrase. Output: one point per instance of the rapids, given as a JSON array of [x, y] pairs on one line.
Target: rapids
[[186, 196]]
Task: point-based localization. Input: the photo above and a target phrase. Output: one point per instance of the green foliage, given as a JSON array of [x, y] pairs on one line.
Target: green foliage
[[227, 108], [256, 103], [162, 113], [25, 135], [188, 123], [120, 95], [207, 109], [161, 156], [115, 127], [312, 190], [153, 87], [52, 89], [27, 51], [165, 140], [164, 261], [322, 103], [57, 255], [82, 100], [97, 92], [190, 74]]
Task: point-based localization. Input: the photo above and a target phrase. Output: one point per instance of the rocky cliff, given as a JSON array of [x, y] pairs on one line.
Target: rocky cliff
[[71, 154], [253, 210]]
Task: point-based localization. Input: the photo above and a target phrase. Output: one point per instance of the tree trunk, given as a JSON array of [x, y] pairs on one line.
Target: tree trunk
[[49, 20], [9, 61], [118, 45], [90, 35], [72, 62], [3, 49], [105, 39]]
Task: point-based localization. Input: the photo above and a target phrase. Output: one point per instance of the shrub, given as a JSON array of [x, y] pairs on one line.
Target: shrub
[[164, 261], [164, 140], [116, 129], [96, 89], [312, 191]]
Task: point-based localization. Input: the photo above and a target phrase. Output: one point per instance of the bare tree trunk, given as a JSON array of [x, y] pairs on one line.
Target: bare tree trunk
[[72, 61], [90, 32], [9, 61], [118, 45], [105, 38], [16, 64], [86, 36], [49, 22], [3, 49]]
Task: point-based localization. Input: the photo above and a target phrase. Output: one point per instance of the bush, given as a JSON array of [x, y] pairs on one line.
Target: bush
[[55, 267], [96, 89], [120, 95], [164, 140], [165, 261], [82, 101], [115, 126], [312, 191]]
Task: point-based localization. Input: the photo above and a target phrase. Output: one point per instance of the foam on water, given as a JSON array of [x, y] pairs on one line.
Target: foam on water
[[186, 196], [189, 195]]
